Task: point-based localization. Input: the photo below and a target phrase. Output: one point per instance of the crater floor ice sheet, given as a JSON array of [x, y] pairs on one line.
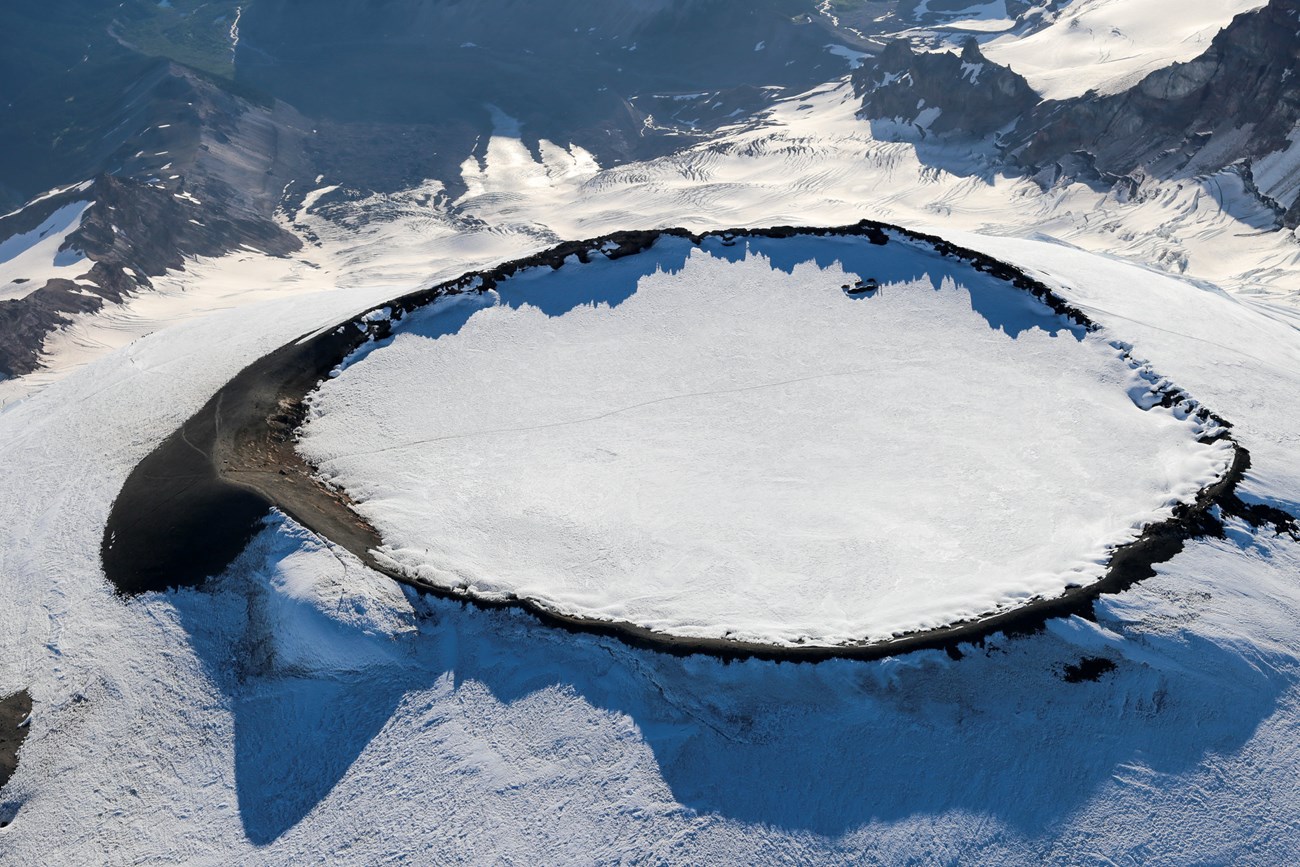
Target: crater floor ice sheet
[[718, 442]]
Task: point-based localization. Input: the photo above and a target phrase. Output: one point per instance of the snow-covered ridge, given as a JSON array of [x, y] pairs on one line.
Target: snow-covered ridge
[[1107, 46]]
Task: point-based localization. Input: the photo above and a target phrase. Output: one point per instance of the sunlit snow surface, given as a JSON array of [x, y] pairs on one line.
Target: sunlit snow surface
[[1110, 45], [298, 711], [719, 442]]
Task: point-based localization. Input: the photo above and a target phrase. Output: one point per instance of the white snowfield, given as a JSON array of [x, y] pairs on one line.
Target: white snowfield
[[720, 443], [1110, 45], [300, 710]]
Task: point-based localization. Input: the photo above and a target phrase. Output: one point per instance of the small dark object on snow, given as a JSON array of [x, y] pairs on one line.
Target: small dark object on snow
[[862, 287], [1090, 668], [15, 714]]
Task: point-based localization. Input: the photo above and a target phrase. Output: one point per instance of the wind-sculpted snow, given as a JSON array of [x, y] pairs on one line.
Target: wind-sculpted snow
[[716, 442]]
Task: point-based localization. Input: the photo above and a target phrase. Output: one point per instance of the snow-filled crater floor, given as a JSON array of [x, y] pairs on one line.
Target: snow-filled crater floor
[[717, 441]]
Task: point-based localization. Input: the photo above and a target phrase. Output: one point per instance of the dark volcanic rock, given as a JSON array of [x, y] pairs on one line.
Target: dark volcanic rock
[[25, 323], [151, 229], [974, 96], [14, 711], [1088, 669], [144, 227]]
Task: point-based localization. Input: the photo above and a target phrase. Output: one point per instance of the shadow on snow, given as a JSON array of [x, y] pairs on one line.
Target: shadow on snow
[[824, 748]]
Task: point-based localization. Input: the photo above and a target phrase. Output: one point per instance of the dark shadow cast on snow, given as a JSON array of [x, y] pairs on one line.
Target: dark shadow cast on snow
[[296, 730], [1003, 307], [824, 748], [834, 746], [295, 738]]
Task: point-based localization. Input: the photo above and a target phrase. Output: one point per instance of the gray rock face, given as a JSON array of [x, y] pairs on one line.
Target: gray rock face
[[973, 95], [201, 175], [1236, 101]]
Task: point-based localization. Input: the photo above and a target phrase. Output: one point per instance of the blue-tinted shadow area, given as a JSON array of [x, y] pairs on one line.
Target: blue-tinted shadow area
[[295, 738], [297, 727], [1004, 307], [900, 263], [832, 747], [555, 292], [600, 281], [826, 748]]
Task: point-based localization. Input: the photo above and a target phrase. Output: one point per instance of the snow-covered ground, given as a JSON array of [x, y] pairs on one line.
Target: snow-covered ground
[[301, 710], [717, 442], [1110, 45], [206, 286], [813, 162]]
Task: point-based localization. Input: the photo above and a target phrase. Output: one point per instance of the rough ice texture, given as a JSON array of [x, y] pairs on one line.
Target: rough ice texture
[[718, 442]]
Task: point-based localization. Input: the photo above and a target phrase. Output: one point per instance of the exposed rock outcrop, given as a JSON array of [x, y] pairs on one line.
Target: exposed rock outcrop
[[941, 92], [1237, 101], [201, 174], [15, 712]]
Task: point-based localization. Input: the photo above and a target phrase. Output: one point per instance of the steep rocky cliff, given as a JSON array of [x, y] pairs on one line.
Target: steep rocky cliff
[[193, 170], [1238, 101], [941, 92]]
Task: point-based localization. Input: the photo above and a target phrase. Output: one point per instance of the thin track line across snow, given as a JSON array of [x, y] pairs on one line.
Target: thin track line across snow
[[610, 413]]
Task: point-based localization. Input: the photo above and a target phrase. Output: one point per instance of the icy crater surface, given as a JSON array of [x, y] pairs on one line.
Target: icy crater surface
[[717, 441]]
